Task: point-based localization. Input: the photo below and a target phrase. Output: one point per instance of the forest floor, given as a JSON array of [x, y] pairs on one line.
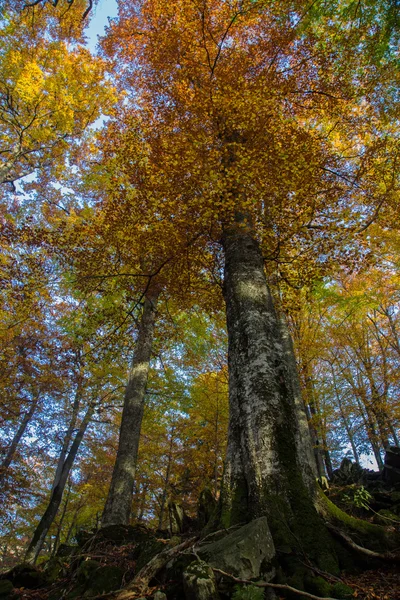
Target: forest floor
[[381, 584]]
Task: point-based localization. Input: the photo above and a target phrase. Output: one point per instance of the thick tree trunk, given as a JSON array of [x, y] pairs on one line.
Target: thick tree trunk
[[17, 438], [119, 501], [270, 467], [57, 493]]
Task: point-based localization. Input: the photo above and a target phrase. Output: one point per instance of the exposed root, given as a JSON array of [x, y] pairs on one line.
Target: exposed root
[[275, 586], [140, 583], [387, 556]]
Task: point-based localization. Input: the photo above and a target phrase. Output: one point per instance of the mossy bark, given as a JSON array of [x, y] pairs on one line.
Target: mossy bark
[[270, 468]]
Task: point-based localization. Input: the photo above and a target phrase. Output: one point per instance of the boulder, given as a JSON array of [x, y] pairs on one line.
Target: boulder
[[95, 579], [26, 576], [6, 590], [176, 517], [391, 471], [205, 507], [245, 552], [199, 582], [348, 473]]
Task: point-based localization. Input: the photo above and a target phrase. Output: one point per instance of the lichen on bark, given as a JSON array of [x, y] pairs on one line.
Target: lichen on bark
[[269, 468]]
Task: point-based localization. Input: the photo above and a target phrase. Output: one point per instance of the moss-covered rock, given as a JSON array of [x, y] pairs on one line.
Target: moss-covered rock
[[104, 580], [66, 551], [342, 591], [318, 586], [296, 581], [54, 569], [386, 517], [243, 551], [248, 592], [27, 576], [94, 579], [86, 570], [146, 550], [6, 590], [199, 582], [206, 507]]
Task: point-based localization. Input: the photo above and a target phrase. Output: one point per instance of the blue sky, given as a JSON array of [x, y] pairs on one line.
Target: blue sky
[[101, 13]]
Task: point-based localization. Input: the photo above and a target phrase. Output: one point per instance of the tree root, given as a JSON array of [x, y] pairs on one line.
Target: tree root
[[140, 583], [386, 556], [275, 586]]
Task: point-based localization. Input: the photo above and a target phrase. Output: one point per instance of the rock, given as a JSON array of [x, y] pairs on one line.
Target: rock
[[26, 576], [205, 507], [123, 534], [386, 517], [65, 551], [391, 471], [86, 569], [54, 569], [342, 591], [179, 521], [94, 579], [159, 596], [349, 473], [199, 582], [6, 590], [244, 552], [176, 513], [104, 580]]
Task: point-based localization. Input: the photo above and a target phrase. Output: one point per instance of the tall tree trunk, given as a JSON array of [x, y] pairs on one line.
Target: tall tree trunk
[[17, 438], [57, 493], [270, 468], [119, 501]]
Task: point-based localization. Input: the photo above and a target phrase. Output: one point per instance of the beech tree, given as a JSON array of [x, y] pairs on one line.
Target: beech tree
[[249, 118]]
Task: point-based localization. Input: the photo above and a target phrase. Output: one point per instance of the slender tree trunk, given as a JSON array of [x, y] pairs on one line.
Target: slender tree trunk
[[166, 480], [61, 522], [142, 503], [57, 493], [17, 438], [344, 418], [119, 501], [70, 431], [313, 418], [371, 432], [394, 435], [269, 450]]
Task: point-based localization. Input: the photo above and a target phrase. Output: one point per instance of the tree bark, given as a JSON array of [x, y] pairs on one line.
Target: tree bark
[[270, 467], [268, 432], [57, 493], [119, 501]]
